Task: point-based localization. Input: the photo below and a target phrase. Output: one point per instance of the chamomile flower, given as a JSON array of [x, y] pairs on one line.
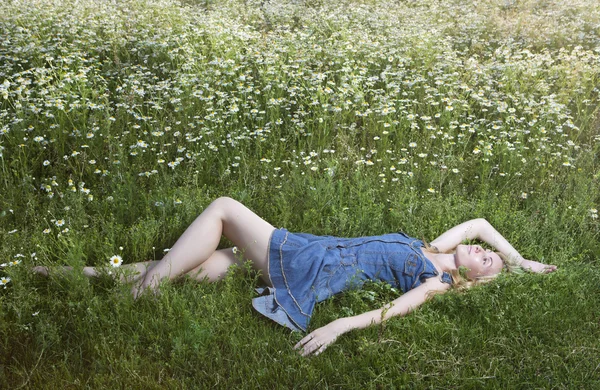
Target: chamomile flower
[[116, 261]]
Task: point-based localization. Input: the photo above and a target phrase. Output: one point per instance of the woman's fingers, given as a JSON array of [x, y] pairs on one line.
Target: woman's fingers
[[309, 347], [305, 340], [323, 347], [312, 346], [313, 343], [318, 340], [302, 342], [308, 344]]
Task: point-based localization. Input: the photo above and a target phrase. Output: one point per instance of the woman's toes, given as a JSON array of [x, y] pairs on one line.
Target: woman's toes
[[41, 270], [89, 272]]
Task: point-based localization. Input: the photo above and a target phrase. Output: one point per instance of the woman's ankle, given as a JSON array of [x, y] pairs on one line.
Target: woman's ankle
[[40, 270], [90, 272]]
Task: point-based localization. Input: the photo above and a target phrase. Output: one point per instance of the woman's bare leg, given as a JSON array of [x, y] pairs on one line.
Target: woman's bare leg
[[216, 267], [65, 269], [213, 269], [137, 270], [224, 216]]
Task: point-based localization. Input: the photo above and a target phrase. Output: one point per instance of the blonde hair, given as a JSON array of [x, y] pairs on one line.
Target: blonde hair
[[461, 281]]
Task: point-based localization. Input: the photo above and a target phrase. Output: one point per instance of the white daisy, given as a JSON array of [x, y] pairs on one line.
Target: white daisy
[[116, 261]]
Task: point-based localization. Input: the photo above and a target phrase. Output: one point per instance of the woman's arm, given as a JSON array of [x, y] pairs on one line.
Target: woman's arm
[[469, 230], [482, 230], [321, 338]]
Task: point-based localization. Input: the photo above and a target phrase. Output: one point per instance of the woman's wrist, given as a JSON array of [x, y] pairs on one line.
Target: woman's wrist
[[345, 324], [361, 321]]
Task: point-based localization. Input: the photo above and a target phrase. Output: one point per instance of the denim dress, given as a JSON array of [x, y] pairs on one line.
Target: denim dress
[[305, 269]]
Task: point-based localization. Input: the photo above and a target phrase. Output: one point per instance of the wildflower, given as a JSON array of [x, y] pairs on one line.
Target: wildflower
[[454, 170], [60, 222], [431, 190], [46, 163], [412, 145], [46, 231], [524, 195], [116, 261]]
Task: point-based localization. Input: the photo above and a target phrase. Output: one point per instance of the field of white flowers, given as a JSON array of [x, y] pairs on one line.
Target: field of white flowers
[[121, 120]]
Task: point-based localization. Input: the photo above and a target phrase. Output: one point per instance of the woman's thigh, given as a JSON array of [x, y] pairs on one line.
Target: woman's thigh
[[217, 266], [247, 231]]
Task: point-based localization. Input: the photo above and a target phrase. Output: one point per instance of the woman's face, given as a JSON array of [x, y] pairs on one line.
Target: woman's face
[[481, 262]]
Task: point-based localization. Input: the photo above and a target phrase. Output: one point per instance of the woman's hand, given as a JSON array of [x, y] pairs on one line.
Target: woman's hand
[[537, 267], [319, 339]]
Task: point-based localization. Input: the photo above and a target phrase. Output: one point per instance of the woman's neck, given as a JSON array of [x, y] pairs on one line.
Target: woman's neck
[[446, 262]]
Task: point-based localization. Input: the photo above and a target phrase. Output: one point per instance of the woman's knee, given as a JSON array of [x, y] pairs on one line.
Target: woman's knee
[[223, 204]]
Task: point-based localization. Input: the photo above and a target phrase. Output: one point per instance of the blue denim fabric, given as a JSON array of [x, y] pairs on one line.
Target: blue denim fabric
[[305, 269]]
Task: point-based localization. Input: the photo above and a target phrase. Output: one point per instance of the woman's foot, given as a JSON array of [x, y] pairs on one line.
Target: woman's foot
[[90, 272], [40, 270]]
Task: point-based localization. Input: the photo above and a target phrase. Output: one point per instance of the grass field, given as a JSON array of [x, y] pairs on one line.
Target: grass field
[[120, 121]]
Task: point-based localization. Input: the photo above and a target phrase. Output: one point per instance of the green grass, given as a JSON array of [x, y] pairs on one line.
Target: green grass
[[122, 122]]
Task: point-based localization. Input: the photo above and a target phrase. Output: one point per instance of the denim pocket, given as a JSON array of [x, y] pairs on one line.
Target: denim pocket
[[411, 265]]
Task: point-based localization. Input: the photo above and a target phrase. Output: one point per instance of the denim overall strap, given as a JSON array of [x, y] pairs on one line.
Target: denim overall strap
[[416, 245]]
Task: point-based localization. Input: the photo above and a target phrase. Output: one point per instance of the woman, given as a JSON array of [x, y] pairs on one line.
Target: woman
[[302, 269]]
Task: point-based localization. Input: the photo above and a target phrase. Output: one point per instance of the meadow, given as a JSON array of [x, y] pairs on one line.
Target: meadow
[[120, 121]]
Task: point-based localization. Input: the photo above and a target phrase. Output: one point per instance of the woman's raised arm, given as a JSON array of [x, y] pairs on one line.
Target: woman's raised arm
[[321, 338], [469, 230], [482, 230]]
